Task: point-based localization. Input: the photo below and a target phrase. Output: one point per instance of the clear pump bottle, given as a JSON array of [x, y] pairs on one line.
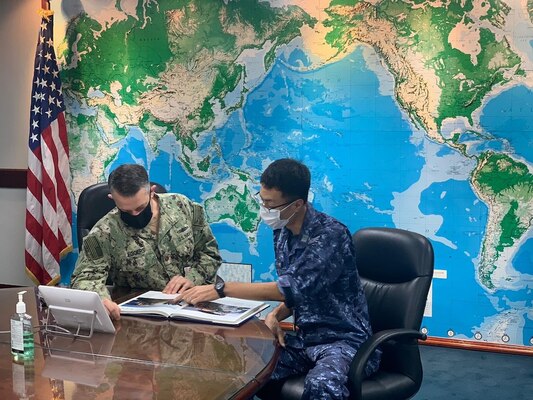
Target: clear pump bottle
[[22, 344]]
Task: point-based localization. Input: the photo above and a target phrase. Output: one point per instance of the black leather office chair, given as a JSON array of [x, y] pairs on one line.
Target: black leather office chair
[[93, 204], [396, 268]]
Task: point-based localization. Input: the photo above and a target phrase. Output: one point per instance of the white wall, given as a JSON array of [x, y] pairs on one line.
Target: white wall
[[19, 27], [13, 204]]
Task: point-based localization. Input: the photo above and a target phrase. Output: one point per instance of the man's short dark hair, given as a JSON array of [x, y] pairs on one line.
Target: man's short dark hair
[[289, 176], [128, 179]]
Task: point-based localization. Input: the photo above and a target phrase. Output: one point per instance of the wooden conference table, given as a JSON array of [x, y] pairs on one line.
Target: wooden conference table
[[147, 358]]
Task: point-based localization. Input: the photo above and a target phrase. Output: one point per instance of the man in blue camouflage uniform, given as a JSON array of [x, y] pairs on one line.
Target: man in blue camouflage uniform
[[150, 241], [317, 282]]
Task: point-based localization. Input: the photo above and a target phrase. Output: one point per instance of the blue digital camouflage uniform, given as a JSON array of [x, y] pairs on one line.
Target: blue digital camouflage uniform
[[184, 245], [318, 277]]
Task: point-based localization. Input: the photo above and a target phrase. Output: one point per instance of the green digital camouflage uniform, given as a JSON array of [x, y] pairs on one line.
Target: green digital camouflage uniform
[[138, 258]]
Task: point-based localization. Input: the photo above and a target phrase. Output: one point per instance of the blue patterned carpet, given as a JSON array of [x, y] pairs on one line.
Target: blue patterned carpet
[[466, 374]]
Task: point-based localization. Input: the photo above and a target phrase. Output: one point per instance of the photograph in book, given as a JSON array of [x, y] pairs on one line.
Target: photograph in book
[[228, 310]]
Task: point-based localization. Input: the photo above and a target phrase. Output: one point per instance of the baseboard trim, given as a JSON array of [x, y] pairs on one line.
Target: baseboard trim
[[479, 346], [460, 344]]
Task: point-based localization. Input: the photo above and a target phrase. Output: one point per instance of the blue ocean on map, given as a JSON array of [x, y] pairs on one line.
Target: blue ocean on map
[[360, 149], [496, 119], [523, 260], [352, 138]]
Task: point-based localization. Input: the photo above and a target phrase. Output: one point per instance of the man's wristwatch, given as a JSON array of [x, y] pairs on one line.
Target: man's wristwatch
[[219, 287]]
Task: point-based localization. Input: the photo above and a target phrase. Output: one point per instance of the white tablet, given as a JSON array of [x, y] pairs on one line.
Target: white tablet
[[73, 308]]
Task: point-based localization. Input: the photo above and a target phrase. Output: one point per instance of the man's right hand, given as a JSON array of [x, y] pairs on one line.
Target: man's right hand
[[272, 322], [178, 284], [112, 308]]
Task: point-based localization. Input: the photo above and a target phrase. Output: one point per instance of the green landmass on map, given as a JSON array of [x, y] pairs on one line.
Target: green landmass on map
[[435, 78], [166, 69], [507, 186], [229, 204]]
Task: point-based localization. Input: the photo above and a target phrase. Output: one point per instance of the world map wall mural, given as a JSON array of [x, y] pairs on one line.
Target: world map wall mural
[[410, 114]]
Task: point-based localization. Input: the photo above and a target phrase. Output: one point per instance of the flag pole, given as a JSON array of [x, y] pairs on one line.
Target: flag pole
[[45, 4]]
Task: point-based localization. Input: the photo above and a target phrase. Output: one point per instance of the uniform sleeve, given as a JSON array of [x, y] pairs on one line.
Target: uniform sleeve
[[206, 258], [93, 265], [321, 263]]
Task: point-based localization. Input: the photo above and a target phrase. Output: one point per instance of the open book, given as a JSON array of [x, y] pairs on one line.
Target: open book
[[225, 311]]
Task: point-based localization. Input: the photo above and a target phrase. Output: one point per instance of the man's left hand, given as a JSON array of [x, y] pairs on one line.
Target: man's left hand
[[178, 284], [198, 294], [273, 324]]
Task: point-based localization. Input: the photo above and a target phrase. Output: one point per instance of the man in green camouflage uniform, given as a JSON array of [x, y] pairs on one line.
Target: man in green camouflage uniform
[[151, 241]]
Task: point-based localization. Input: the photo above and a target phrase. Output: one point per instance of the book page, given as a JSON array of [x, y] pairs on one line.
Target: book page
[[227, 310], [153, 303]]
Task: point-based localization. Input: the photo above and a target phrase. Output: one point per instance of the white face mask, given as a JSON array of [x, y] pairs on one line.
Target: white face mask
[[273, 217]]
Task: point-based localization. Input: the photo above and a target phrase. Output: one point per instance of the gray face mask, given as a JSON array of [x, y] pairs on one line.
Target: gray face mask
[[140, 220]]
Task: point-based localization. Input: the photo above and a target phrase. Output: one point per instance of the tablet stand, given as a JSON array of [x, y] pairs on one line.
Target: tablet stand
[[84, 318]]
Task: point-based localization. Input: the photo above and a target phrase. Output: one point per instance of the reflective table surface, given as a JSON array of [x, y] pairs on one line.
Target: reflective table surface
[[145, 358]]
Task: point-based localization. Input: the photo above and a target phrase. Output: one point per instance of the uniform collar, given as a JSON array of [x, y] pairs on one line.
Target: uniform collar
[[303, 237]]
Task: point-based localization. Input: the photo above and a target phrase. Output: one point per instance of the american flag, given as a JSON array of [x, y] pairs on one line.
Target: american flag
[[48, 206]]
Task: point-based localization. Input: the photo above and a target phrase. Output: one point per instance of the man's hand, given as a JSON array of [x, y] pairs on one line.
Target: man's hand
[[273, 324], [178, 284], [112, 308], [201, 293]]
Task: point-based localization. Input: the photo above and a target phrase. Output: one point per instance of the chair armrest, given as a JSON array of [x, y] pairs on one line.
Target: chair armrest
[[356, 375]]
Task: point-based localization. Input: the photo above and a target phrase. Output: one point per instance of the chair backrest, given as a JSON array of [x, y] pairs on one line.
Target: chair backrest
[[93, 204], [396, 269]]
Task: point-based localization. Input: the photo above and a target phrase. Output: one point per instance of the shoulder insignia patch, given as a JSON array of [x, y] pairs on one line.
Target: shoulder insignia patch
[[92, 248]]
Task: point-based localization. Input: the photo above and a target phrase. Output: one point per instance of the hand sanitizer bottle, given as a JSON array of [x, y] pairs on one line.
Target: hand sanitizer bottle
[[22, 345]]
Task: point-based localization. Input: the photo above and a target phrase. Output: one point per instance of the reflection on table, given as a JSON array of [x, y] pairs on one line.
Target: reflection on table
[[74, 377], [146, 358]]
